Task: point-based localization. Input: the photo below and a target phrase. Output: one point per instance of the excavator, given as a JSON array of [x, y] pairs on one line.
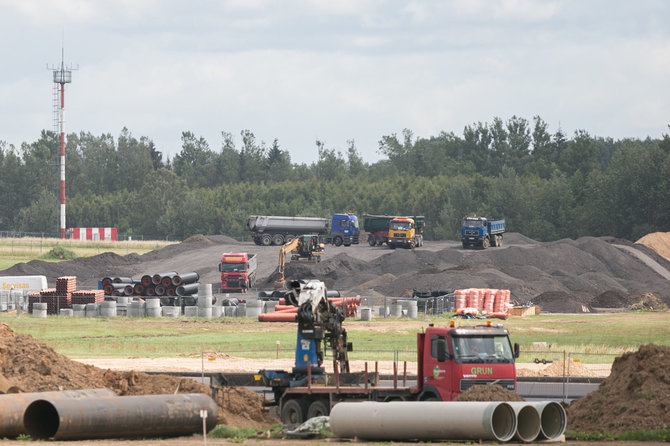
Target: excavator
[[303, 247]]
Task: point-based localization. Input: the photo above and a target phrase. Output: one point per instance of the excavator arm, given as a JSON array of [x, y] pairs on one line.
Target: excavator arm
[[285, 248]]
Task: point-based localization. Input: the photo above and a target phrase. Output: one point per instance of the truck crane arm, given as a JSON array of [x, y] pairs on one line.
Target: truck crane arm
[[319, 319]]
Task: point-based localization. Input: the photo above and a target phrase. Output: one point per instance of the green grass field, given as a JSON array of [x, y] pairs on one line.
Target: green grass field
[[17, 250], [601, 336]]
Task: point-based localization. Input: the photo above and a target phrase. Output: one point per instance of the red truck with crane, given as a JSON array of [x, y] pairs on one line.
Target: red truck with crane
[[449, 361]]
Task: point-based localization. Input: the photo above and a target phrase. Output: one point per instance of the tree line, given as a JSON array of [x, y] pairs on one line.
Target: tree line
[[546, 185]]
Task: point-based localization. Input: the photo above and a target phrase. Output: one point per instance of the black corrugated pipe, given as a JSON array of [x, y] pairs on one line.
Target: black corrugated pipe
[[122, 280], [156, 278], [183, 279], [14, 405], [187, 290], [123, 416]]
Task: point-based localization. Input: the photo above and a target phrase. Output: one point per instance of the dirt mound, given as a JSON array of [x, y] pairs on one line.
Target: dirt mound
[[635, 396], [28, 365], [561, 368], [658, 241], [610, 299], [561, 302], [484, 392]]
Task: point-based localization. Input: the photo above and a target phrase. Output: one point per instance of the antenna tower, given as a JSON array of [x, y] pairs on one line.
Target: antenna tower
[[61, 75]]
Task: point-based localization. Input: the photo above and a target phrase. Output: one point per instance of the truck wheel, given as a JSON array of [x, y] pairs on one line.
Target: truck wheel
[[294, 411], [485, 243], [371, 240], [347, 244], [337, 241], [266, 240], [318, 408], [289, 238], [465, 245], [391, 245], [500, 237], [278, 239]]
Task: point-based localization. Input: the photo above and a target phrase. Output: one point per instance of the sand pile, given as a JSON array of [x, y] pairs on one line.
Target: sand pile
[[27, 365], [635, 396], [484, 392], [658, 241]]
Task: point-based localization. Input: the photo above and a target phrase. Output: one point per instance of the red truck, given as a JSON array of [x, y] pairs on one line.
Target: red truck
[[238, 272], [449, 359]]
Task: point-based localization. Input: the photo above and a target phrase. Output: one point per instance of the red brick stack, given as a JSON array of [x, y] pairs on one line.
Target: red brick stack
[[88, 296]]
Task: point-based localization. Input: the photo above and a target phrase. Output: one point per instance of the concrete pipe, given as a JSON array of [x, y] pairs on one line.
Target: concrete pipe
[[40, 309], [91, 310], [527, 421], [14, 405], [366, 314], [122, 280], [269, 306], [171, 311], [204, 301], [241, 310], [108, 308], [186, 278], [145, 280], [395, 310], [205, 312], [123, 416], [152, 307], [217, 311], [424, 420], [553, 420], [79, 309], [205, 290], [66, 312], [191, 311]]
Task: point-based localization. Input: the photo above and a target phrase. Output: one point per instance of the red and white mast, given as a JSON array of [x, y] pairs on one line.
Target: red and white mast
[[62, 76]]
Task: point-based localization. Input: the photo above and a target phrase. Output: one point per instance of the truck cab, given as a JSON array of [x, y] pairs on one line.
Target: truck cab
[[238, 272], [455, 358], [402, 232], [344, 229]]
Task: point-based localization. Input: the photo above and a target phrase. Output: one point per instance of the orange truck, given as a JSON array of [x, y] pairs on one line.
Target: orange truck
[[238, 272]]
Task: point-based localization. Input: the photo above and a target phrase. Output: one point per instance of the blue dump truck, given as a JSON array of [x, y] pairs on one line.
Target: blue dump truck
[[479, 232], [277, 230]]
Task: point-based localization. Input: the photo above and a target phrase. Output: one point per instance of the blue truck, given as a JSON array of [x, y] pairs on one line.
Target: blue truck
[[479, 232], [342, 229]]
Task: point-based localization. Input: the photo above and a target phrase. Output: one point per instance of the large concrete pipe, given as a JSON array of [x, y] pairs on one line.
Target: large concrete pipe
[[424, 420], [156, 278], [527, 421], [13, 405], [187, 289], [553, 420], [123, 416]]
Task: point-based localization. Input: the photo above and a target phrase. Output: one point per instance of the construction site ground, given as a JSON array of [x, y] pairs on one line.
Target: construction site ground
[[566, 276]]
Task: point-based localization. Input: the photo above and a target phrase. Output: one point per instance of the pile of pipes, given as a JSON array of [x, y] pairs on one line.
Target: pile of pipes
[[100, 413], [63, 297], [449, 420], [168, 284], [282, 312]]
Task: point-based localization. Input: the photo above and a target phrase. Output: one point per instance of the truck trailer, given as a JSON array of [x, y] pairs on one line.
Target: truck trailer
[[481, 232], [342, 229]]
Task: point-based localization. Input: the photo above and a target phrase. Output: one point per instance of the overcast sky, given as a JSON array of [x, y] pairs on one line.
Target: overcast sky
[[333, 70]]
